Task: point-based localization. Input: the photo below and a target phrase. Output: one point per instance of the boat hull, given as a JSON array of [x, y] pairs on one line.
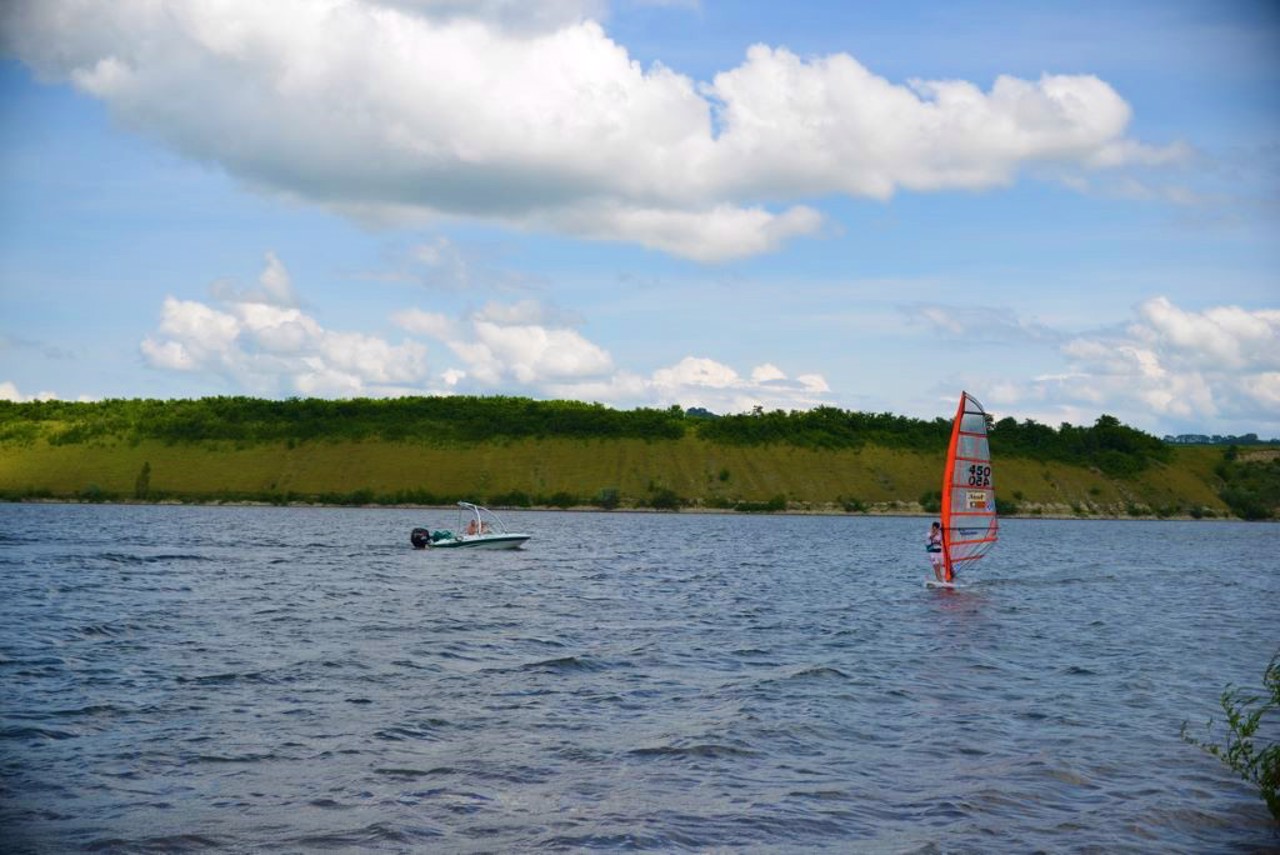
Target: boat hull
[[497, 541]]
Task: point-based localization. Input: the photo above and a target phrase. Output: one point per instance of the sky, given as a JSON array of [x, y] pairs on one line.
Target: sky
[[1067, 209]]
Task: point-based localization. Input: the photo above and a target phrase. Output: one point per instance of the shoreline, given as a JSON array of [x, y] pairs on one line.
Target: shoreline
[[829, 511]]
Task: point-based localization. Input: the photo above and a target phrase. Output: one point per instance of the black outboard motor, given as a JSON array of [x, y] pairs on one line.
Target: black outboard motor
[[420, 538]]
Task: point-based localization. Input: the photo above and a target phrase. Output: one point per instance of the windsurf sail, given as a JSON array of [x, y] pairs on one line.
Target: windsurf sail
[[969, 526]]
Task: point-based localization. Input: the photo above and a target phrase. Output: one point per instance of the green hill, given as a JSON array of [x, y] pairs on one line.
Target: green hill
[[516, 452]]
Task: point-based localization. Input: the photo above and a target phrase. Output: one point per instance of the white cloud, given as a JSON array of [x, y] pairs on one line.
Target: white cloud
[[192, 336], [702, 382], [530, 347], [276, 284], [522, 312], [767, 372], [529, 114], [445, 262], [255, 341], [1223, 337], [696, 372], [518, 342], [1264, 388], [9, 392], [813, 383], [275, 330], [709, 234], [515, 15], [431, 324], [1126, 152], [1214, 370], [532, 354], [170, 355]]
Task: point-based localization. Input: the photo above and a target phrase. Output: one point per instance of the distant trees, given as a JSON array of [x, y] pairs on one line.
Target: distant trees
[[1250, 485], [241, 419], [1108, 445], [1112, 447], [665, 499], [1217, 439], [826, 427]]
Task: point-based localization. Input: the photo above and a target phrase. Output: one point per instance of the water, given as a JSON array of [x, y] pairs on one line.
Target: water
[[233, 679]]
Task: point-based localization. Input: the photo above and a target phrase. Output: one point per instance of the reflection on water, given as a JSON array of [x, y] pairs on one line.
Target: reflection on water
[[183, 679]]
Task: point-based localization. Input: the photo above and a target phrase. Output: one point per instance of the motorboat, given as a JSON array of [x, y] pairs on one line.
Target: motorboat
[[478, 528]]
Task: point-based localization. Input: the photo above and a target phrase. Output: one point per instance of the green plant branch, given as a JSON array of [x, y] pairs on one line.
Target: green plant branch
[[1240, 752]]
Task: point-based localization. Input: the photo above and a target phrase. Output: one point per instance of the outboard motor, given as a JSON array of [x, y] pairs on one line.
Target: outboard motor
[[420, 538]]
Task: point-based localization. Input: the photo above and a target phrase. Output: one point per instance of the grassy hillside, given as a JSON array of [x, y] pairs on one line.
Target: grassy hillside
[[561, 471], [522, 452]]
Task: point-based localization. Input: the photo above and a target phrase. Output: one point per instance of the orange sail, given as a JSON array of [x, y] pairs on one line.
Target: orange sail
[[969, 526]]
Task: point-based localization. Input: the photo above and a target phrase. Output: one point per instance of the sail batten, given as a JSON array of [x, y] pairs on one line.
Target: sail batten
[[969, 525]]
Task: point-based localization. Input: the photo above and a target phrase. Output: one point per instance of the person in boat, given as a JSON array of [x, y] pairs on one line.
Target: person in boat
[[934, 547], [471, 528]]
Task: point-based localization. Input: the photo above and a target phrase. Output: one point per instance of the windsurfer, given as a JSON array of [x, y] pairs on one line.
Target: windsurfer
[[934, 547]]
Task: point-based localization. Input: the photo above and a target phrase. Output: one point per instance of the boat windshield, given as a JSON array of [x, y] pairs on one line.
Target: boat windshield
[[477, 520]]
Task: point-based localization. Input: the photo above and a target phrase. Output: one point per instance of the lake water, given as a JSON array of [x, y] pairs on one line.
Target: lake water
[[186, 679]]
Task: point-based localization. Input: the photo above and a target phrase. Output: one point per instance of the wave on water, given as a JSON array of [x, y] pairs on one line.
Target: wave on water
[[429, 730], [175, 843], [143, 559], [377, 836], [698, 751], [819, 673], [566, 665], [37, 733]]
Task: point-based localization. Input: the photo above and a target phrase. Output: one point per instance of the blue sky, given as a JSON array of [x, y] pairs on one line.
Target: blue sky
[[1068, 209]]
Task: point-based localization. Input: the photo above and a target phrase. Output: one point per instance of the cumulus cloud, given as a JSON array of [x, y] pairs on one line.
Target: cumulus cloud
[[510, 343], [535, 350], [432, 324], [1219, 338], [699, 382], [256, 339], [9, 392], [253, 340], [1217, 366], [529, 114], [703, 382], [766, 373], [275, 287], [514, 15]]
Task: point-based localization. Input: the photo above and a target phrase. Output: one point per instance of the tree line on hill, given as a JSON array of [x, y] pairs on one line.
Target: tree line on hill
[[1109, 445], [1218, 439], [1251, 487], [453, 419]]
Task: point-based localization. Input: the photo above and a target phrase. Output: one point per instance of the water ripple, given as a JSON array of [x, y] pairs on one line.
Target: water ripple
[[269, 679]]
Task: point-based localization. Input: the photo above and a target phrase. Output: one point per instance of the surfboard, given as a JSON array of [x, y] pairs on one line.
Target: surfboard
[[934, 583]]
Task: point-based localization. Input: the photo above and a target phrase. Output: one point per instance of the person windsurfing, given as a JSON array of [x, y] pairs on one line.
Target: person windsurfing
[[933, 545]]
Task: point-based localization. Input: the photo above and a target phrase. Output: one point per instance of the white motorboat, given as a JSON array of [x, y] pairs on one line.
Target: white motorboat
[[478, 528]]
